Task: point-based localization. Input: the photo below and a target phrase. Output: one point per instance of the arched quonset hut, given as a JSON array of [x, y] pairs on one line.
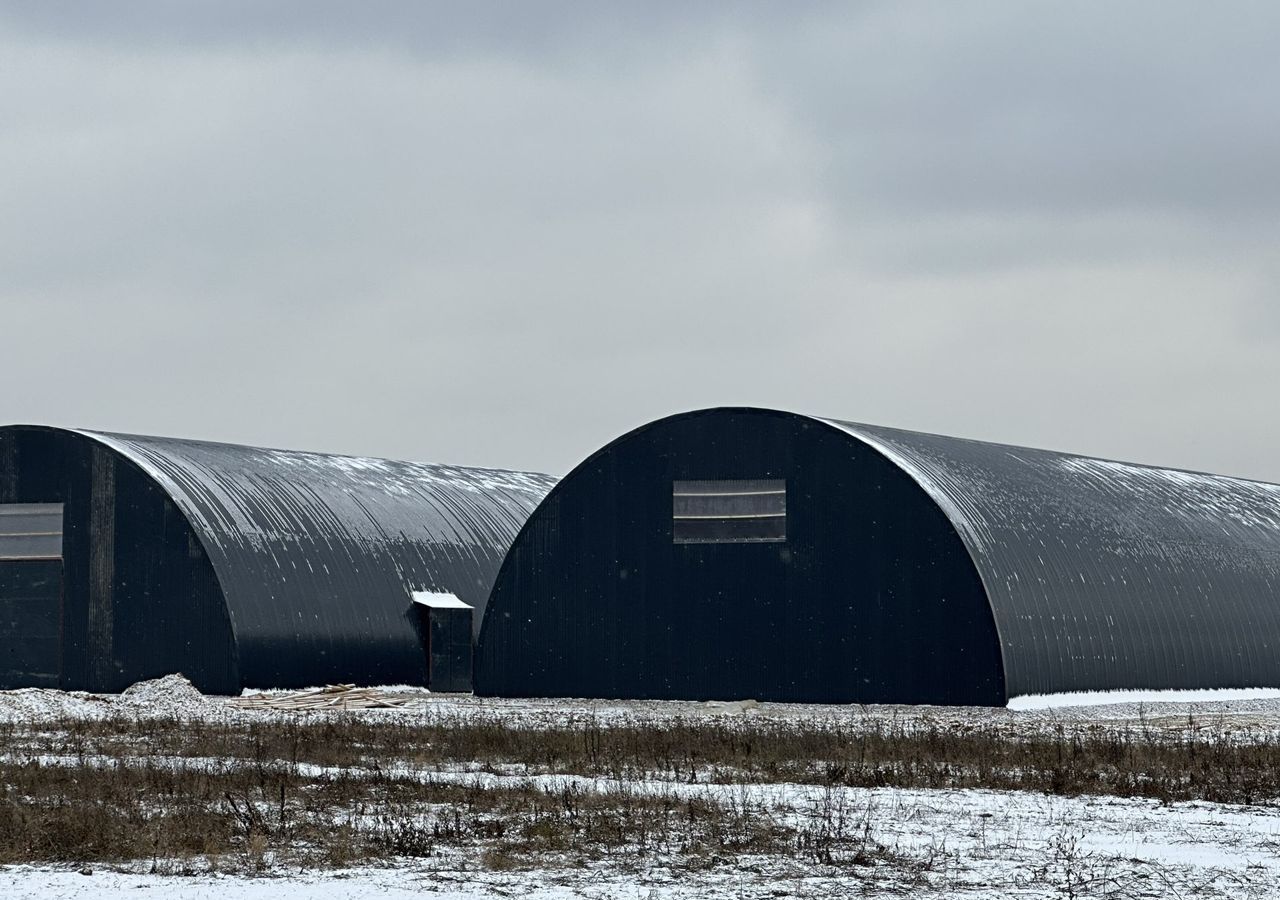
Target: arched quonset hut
[[125, 557], [732, 553]]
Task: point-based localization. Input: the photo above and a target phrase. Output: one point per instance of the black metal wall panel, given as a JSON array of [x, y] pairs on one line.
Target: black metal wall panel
[[871, 597], [8, 467], [44, 466], [1096, 574], [1107, 575], [136, 603], [450, 649], [242, 566], [30, 623], [316, 555], [169, 614], [101, 659]]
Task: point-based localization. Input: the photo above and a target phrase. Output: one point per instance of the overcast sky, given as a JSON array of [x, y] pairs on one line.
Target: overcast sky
[[503, 234]]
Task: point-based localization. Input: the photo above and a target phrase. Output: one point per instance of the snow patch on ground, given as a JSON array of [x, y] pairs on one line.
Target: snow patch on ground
[[1252, 714], [978, 844], [34, 883], [1108, 698]]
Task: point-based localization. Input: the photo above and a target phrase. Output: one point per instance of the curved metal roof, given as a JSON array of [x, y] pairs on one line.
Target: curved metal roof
[[1105, 574], [317, 554]]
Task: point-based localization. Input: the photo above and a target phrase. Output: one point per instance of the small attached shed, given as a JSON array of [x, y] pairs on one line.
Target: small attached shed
[[446, 625], [125, 557]]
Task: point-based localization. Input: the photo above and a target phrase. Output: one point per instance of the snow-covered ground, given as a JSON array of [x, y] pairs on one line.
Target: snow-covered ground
[[1115, 698], [949, 843], [1255, 710], [973, 844]]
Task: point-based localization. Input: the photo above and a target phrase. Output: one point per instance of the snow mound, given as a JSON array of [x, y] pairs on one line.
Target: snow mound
[[44, 704], [170, 696]]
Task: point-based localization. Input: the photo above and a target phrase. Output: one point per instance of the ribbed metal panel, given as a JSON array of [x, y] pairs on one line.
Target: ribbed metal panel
[[316, 555], [30, 622], [915, 568], [866, 595], [1105, 575]]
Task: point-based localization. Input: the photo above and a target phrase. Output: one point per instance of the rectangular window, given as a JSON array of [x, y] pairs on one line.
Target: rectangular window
[[30, 530], [727, 511]]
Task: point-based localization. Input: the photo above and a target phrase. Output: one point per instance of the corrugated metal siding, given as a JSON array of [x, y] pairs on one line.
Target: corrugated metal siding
[[316, 554], [1106, 575], [8, 467], [169, 612], [872, 597], [100, 649], [1097, 574], [136, 602], [30, 623]]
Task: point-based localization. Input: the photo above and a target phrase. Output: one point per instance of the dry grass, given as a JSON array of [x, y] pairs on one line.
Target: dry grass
[[1178, 764], [338, 791], [258, 817]]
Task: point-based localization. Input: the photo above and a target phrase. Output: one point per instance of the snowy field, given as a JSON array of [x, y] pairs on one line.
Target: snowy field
[[980, 845], [896, 841], [1238, 712]]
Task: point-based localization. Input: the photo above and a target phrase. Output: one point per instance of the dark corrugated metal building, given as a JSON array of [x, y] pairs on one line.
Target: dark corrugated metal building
[[126, 557], [732, 553]]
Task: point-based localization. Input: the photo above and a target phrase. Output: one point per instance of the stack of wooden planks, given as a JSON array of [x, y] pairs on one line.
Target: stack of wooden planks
[[333, 696]]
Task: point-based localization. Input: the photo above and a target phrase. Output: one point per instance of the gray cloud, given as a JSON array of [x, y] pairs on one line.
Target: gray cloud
[[563, 33], [506, 235], [1017, 108]]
